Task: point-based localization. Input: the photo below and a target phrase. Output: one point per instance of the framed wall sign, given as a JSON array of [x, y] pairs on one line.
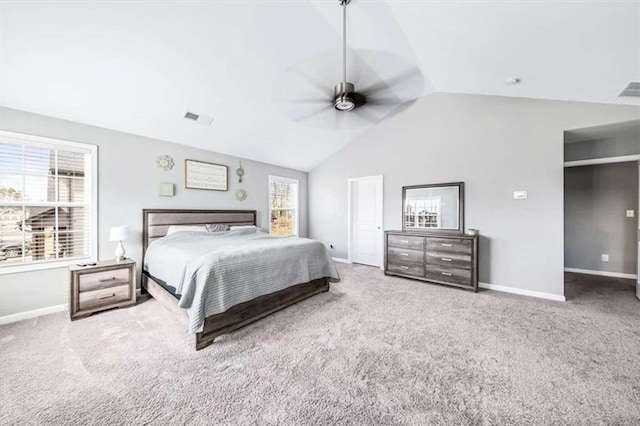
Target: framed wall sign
[[202, 175]]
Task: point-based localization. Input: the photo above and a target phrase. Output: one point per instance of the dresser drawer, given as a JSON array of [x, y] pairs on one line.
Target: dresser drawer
[[449, 275], [406, 241], [105, 296], [105, 279], [406, 269], [449, 245], [449, 260], [400, 255]]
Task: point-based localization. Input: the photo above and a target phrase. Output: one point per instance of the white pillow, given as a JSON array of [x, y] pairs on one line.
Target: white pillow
[[232, 227], [181, 228]]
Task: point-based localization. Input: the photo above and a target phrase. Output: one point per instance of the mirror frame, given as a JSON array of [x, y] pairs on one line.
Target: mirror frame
[[460, 229]]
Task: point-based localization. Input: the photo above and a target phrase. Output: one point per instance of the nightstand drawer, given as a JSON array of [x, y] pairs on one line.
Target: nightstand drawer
[[105, 279], [103, 297]]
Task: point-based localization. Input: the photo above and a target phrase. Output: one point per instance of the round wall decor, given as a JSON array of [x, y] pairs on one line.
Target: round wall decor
[[241, 194], [164, 162]]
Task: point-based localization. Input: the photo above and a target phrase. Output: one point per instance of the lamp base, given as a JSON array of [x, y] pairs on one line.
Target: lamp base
[[120, 252]]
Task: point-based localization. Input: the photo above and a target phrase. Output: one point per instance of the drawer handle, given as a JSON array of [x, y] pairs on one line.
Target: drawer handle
[[107, 296], [447, 245], [104, 280], [404, 267], [404, 241], [404, 254], [448, 274], [446, 259]]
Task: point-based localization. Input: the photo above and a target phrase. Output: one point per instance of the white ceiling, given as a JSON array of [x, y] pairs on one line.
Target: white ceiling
[[136, 66]]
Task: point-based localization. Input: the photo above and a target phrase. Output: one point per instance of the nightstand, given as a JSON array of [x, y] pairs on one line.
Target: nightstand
[[105, 285]]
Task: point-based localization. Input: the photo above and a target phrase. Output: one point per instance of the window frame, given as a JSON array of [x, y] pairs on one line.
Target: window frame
[[92, 173], [296, 210]]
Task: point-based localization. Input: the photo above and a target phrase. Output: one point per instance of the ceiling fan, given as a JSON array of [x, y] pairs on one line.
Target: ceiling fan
[[375, 99]]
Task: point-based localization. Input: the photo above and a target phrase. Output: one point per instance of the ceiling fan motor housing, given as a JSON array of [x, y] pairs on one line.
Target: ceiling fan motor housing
[[345, 97]]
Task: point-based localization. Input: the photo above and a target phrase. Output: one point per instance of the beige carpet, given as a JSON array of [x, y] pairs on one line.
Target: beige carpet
[[375, 350]]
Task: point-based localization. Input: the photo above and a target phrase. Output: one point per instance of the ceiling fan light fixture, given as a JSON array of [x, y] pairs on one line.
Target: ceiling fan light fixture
[[344, 103]]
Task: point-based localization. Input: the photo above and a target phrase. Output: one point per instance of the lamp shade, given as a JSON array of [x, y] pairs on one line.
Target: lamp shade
[[118, 233]]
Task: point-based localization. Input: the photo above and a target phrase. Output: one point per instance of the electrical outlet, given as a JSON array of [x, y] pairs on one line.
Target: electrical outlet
[[605, 257], [630, 213]]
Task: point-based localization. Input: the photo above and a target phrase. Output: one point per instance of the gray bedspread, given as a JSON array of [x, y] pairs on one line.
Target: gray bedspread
[[215, 271]]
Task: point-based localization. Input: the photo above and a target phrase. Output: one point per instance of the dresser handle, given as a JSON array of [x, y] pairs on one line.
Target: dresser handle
[[404, 254], [448, 274], [446, 259], [447, 245], [404, 267], [104, 280], [404, 241], [107, 296]]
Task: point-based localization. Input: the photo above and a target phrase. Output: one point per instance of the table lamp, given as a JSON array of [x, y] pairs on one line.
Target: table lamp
[[120, 234]]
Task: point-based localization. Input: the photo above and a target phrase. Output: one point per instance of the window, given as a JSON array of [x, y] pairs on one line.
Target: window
[[47, 202], [283, 206]]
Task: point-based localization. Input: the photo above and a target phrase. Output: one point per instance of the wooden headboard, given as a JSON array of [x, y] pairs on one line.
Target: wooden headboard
[[156, 222]]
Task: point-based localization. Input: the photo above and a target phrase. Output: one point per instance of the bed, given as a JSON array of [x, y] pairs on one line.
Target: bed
[[217, 281]]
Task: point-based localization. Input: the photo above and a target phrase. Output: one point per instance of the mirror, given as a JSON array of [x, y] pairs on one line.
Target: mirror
[[438, 207]]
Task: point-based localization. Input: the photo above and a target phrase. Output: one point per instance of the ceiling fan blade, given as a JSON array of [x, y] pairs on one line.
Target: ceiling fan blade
[[338, 122], [383, 101], [322, 87], [313, 114], [364, 114], [389, 83], [308, 101]]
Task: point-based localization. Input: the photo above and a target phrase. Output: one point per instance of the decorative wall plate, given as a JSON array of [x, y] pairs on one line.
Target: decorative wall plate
[[164, 162], [241, 195]]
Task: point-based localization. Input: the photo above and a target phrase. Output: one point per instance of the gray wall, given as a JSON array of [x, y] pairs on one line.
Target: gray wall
[[595, 204], [601, 148], [495, 145], [128, 179]]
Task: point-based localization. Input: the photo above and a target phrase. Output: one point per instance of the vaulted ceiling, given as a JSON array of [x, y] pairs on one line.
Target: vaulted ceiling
[[137, 66]]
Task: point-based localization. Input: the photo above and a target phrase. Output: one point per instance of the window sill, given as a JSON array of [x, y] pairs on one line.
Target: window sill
[[40, 266]]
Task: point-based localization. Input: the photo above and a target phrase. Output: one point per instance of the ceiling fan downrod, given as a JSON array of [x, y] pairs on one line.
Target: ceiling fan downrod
[[344, 91]]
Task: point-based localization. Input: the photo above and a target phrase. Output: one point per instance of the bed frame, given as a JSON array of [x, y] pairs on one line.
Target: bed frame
[[156, 222]]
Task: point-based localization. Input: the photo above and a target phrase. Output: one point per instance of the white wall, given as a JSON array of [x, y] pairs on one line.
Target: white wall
[[495, 145], [128, 179]]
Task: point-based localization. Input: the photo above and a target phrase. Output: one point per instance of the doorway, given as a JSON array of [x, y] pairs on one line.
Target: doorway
[[365, 211], [601, 207]]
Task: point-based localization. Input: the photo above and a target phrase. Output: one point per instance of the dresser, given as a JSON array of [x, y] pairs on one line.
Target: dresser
[[105, 285], [449, 259]]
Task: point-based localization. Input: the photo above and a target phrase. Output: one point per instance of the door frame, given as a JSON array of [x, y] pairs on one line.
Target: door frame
[[607, 160], [380, 182]]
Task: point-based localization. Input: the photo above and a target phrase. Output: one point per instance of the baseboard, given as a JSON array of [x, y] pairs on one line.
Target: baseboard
[[602, 273], [523, 292], [340, 260], [7, 319]]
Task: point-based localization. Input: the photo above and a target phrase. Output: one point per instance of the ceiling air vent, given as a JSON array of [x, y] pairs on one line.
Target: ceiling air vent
[[632, 89], [198, 118]]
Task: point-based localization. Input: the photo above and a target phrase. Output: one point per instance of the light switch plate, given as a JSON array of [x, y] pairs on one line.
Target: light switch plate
[[630, 213], [605, 257], [165, 189], [519, 195]]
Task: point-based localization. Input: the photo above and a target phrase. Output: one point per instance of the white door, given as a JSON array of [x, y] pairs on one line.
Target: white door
[[365, 202]]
